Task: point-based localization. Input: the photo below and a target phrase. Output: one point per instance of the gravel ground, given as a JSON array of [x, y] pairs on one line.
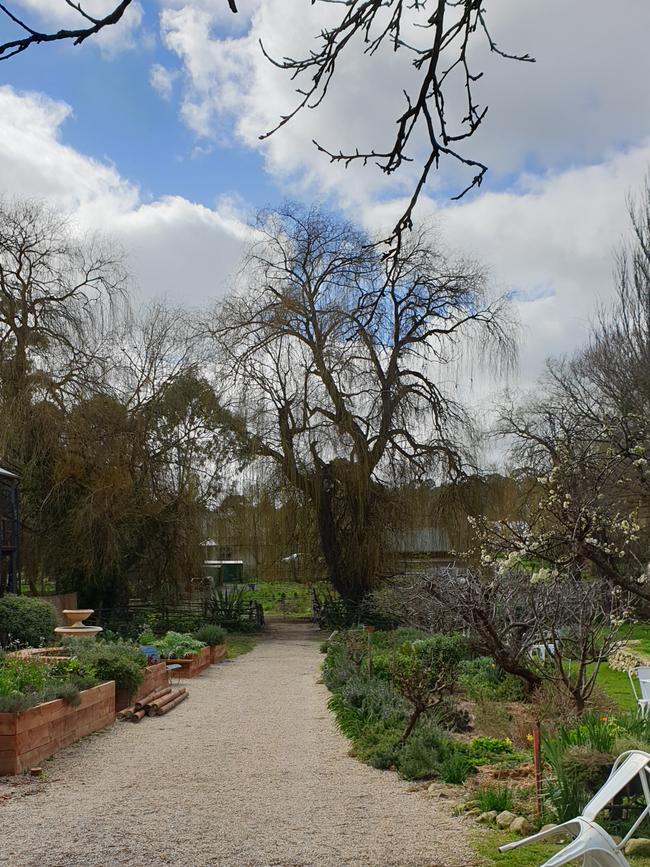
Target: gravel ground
[[249, 772]]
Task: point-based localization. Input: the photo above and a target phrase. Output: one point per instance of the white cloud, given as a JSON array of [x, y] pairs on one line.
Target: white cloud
[[162, 80], [585, 94], [579, 117], [551, 242], [176, 248]]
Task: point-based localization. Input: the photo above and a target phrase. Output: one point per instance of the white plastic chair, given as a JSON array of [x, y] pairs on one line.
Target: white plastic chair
[[643, 676], [591, 843]]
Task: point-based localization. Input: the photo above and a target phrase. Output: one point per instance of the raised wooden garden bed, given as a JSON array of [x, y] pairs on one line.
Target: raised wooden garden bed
[[154, 676], [218, 653], [29, 737], [192, 665]]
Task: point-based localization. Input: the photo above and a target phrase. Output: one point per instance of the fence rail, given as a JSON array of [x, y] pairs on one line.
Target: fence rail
[[182, 616]]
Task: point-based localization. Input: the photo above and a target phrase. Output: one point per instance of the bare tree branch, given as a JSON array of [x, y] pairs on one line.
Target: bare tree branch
[[76, 35], [455, 26]]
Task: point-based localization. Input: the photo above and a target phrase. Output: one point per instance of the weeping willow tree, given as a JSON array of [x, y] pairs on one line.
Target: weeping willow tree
[[103, 413], [332, 362]]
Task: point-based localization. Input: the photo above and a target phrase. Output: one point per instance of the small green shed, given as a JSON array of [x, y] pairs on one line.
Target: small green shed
[[225, 571]]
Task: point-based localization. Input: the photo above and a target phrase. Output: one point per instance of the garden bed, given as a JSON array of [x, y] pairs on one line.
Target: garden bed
[[29, 737], [154, 676], [192, 665], [218, 652]]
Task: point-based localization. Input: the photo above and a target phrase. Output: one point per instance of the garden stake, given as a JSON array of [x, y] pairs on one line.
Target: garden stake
[[537, 759]]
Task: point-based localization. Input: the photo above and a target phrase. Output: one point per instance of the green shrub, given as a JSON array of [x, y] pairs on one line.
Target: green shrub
[[69, 692], [127, 674], [426, 671], [481, 679], [379, 745], [121, 661], [579, 757], [177, 645], [349, 720], [424, 752], [226, 607], [484, 750], [455, 769], [376, 698], [339, 665], [390, 639], [26, 622], [211, 634], [489, 798]]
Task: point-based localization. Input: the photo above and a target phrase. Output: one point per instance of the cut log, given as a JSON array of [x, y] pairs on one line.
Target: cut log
[[154, 694], [126, 714], [172, 704], [156, 704]]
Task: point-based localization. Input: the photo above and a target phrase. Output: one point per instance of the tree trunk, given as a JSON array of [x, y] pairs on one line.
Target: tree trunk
[[410, 725], [349, 568]]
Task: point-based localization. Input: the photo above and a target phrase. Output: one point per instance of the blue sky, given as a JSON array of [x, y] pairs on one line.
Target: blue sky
[[119, 118], [174, 172]]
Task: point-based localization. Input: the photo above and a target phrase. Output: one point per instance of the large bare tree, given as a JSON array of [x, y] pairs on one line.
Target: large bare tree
[[332, 365]]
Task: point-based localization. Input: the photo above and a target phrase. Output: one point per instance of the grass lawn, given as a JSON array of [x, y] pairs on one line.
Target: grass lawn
[[239, 644], [486, 843], [616, 684], [296, 603]]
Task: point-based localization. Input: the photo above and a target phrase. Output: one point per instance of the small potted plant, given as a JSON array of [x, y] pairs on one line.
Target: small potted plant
[[215, 637]]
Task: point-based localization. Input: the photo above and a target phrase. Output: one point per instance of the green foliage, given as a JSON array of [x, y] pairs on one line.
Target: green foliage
[[391, 639], [120, 661], [26, 622], [227, 607], [426, 671], [211, 634], [350, 720], [484, 750], [127, 674], [25, 683], [285, 598], [482, 679], [455, 769], [579, 757], [81, 674], [424, 752], [379, 745], [488, 798], [177, 645], [22, 675]]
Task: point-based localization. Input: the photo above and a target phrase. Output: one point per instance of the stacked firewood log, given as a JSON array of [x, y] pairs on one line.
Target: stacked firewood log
[[157, 703]]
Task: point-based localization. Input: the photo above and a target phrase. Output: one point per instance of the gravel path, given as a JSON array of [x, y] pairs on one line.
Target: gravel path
[[250, 772]]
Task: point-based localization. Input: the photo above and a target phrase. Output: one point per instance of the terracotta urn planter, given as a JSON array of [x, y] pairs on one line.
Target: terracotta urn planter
[[29, 737]]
